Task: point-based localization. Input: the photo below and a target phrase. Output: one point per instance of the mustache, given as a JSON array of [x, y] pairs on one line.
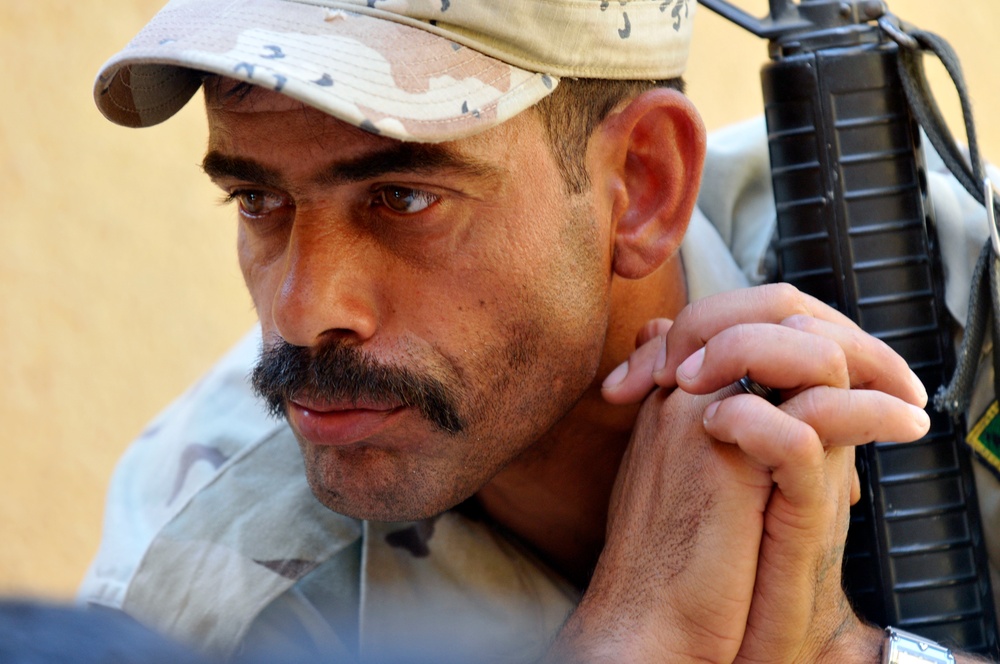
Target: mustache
[[338, 372]]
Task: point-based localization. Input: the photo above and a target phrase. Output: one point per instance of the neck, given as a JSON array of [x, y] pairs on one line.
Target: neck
[[555, 496]]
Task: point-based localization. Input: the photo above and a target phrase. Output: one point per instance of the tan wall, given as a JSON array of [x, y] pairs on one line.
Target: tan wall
[[117, 270]]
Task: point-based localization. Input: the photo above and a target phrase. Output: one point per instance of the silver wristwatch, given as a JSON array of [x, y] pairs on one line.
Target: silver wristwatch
[[905, 648]]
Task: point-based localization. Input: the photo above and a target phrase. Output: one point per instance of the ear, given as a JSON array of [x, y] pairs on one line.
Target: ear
[[652, 152]]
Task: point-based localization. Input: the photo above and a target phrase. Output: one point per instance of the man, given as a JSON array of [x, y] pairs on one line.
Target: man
[[454, 219]]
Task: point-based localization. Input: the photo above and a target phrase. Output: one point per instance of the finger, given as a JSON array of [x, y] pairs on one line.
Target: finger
[[656, 327], [774, 355], [856, 417], [632, 380], [839, 418], [872, 364], [702, 319], [798, 594], [792, 450], [770, 438]]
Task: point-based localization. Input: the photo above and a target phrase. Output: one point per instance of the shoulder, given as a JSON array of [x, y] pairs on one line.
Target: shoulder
[[177, 455]]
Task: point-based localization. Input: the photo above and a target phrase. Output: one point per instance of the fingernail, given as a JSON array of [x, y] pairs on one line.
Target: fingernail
[[919, 385], [690, 367], [921, 417], [661, 357], [615, 378], [710, 412]]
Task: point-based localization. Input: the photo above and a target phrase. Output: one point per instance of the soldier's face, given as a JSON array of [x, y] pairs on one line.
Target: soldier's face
[[453, 297]]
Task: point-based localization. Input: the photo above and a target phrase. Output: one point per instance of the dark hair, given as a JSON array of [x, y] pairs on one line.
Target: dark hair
[[574, 109]]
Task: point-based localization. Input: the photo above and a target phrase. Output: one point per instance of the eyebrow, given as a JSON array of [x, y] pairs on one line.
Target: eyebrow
[[218, 165], [397, 158]]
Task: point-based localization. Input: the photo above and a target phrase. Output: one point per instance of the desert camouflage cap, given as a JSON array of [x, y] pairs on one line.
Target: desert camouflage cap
[[421, 70]]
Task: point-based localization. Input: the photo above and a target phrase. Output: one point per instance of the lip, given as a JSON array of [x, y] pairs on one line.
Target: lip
[[337, 425]]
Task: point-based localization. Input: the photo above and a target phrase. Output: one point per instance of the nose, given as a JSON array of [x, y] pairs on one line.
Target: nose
[[327, 288]]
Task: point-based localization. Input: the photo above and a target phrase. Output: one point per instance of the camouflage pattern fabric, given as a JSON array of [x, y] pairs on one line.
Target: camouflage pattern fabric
[[419, 70]]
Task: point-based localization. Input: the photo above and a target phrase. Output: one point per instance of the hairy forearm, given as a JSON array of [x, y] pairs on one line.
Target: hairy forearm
[[582, 642], [865, 644], [598, 636], [961, 658]]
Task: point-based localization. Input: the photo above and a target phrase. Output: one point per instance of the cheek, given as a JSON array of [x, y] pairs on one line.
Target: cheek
[[245, 256], [258, 275], [541, 322], [570, 277], [573, 290], [523, 372]]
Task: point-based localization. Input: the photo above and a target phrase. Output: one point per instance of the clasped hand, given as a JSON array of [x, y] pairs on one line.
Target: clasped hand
[[727, 523]]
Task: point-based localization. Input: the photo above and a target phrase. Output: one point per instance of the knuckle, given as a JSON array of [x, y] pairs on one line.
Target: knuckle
[[817, 405], [820, 404], [831, 359], [801, 442], [802, 323], [693, 311], [855, 344], [741, 335], [785, 297], [742, 408]]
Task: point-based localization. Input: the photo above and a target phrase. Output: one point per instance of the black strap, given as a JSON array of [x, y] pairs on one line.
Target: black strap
[[955, 397], [968, 170], [984, 295]]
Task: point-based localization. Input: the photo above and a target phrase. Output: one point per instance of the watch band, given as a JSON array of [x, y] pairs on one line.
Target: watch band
[[905, 648]]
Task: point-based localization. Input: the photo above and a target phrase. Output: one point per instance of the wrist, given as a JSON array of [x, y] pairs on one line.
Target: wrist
[[901, 647], [605, 629], [855, 643]]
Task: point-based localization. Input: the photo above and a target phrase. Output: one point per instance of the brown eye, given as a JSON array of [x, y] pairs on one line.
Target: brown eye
[[403, 200], [255, 203]]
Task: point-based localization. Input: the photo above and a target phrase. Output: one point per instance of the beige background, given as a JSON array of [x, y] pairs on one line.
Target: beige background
[[117, 270]]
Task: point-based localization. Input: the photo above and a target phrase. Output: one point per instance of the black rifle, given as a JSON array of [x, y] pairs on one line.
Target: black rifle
[[853, 230]]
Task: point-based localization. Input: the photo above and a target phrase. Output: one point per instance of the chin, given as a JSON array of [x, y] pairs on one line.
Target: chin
[[374, 485], [380, 506]]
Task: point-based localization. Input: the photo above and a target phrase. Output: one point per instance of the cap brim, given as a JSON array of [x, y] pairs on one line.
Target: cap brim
[[380, 75]]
